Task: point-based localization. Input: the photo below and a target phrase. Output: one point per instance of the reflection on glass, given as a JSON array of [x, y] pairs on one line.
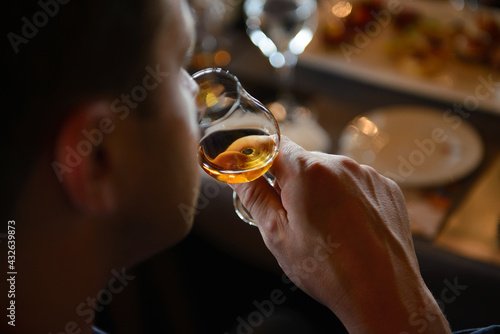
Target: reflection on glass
[[365, 134]]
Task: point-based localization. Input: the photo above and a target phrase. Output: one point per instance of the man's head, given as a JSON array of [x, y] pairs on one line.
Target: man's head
[[101, 120]]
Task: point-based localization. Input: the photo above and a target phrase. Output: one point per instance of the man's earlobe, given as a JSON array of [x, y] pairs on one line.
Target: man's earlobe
[[82, 158]]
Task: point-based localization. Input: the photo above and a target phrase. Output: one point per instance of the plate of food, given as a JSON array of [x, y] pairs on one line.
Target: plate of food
[[427, 48], [413, 145]]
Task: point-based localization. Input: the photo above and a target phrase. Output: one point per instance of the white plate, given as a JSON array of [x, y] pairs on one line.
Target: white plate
[[458, 82], [414, 146]]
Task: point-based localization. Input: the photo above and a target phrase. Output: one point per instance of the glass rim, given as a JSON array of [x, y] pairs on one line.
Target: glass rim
[[222, 73], [217, 70]]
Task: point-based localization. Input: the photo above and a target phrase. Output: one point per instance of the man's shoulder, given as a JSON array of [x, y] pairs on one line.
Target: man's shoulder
[[97, 331], [486, 330]]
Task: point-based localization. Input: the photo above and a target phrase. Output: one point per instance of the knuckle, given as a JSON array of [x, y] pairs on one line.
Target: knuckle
[[347, 162], [314, 166]]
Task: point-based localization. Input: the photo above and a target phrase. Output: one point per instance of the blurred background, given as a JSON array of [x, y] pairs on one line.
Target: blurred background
[[409, 87]]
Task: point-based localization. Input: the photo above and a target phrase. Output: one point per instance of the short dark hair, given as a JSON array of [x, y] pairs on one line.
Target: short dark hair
[[59, 54]]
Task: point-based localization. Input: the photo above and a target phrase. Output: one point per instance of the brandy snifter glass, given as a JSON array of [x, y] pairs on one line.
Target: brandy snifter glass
[[239, 137]]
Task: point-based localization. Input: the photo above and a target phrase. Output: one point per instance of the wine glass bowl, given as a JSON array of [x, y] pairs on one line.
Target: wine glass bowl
[[239, 137]]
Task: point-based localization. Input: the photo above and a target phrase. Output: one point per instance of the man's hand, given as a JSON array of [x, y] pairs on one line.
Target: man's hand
[[340, 231]]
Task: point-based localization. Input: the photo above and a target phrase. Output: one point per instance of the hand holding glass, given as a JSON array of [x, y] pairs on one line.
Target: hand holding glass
[[239, 136]]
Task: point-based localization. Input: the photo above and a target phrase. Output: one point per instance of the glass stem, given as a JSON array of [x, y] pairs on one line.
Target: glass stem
[[286, 83]]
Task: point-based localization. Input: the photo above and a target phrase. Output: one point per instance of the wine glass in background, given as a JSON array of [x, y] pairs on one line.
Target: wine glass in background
[[282, 29], [239, 137]]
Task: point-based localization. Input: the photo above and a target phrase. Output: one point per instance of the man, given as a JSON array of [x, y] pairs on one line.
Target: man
[[112, 167], [102, 151]]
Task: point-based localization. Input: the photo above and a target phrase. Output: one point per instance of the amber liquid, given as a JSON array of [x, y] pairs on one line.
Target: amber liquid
[[237, 156]]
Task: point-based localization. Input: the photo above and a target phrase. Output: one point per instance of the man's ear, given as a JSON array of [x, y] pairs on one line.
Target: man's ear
[[82, 158]]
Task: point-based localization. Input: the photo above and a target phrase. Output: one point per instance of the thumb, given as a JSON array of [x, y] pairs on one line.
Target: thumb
[[286, 167], [263, 203], [262, 200]]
